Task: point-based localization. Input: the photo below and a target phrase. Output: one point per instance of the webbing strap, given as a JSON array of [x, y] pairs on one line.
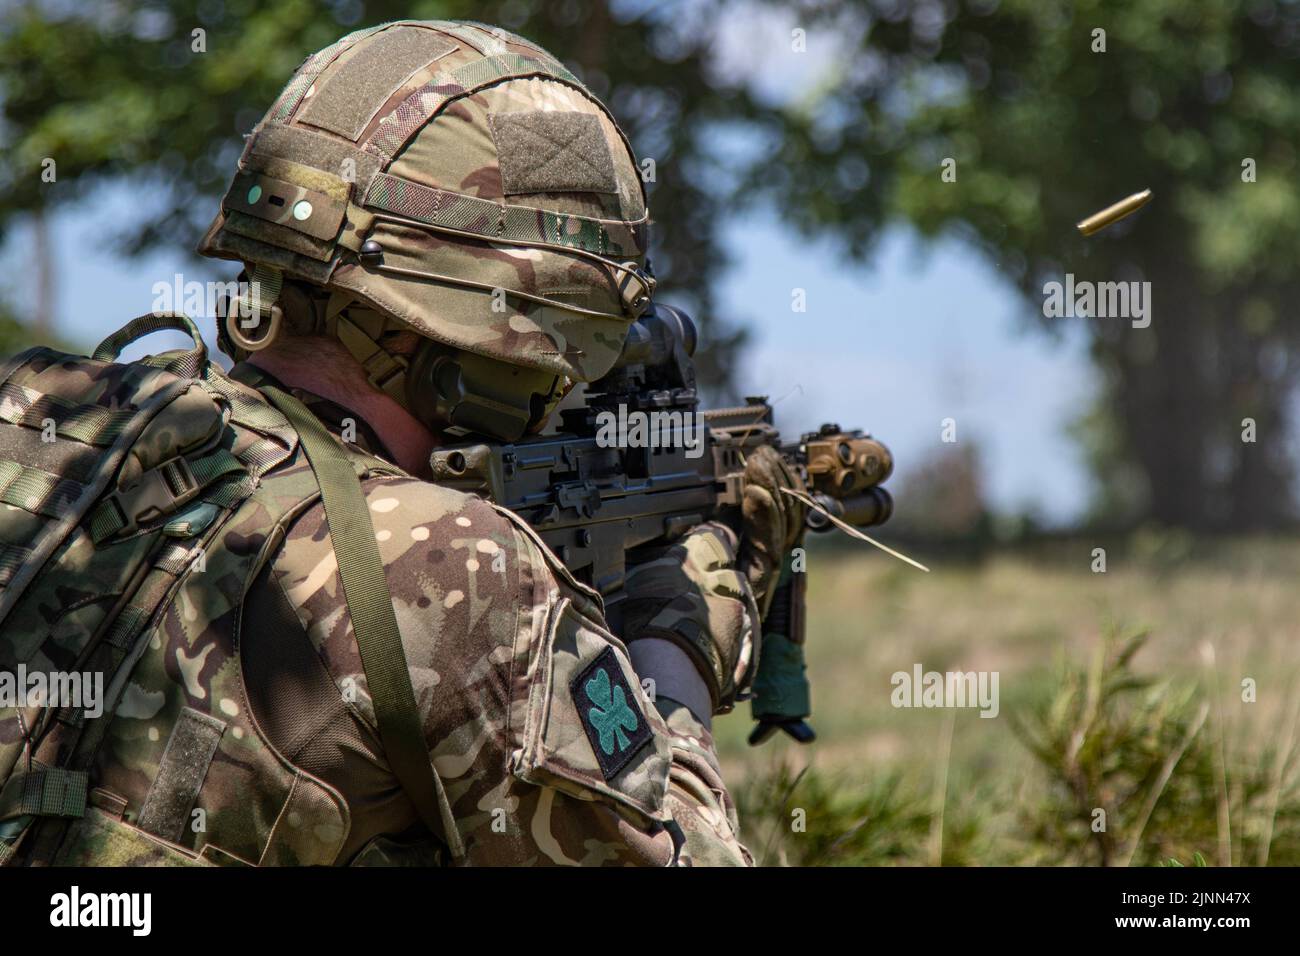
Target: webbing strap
[[36, 491], [88, 424], [44, 792], [253, 414], [384, 371], [208, 468], [186, 364], [263, 290], [12, 557], [506, 65], [119, 511], [478, 39], [478, 34], [505, 222], [370, 606], [230, 493]]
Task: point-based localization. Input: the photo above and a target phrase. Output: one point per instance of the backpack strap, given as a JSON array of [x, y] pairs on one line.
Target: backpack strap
[[370, 606]]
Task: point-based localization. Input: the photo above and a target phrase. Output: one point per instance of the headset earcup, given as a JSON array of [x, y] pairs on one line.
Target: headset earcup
[[423, 394]]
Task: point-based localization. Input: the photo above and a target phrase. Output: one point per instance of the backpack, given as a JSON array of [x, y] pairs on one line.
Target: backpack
[[114, 480]]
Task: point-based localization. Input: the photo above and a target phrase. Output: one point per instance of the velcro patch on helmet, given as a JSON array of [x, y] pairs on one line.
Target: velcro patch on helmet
[[306, 147], [552, 151], [351, 92]]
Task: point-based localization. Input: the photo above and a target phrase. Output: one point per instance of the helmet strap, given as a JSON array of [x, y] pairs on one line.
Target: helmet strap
[[385, 371], [256, 307]]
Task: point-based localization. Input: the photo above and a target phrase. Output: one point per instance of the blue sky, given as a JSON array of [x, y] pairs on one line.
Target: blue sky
[[918, 335]]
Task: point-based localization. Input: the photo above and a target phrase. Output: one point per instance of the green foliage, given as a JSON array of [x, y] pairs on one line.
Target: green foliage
[[1153, 755], [886, 824], [1044, 131], [119, 92], [1125, 745], [1174, 786]]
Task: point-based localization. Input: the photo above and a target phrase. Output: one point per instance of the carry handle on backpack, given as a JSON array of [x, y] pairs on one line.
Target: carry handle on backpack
[[188, 364]]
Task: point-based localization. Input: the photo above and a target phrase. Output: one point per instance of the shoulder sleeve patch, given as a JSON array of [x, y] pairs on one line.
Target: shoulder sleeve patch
[[583, 725], [610, 714]]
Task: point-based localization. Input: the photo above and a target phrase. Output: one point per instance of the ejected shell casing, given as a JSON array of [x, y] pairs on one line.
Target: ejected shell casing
[[1112, 214]]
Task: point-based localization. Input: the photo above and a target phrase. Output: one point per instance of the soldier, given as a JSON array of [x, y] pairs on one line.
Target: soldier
[[443, 231]]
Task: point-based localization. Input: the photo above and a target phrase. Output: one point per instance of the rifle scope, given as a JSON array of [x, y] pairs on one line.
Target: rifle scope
[[653, 338]]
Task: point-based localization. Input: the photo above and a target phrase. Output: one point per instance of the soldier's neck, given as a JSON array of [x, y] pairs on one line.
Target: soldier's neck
[[404, 436]]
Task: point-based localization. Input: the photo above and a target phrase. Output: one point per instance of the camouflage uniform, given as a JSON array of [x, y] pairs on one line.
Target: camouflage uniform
[[244, 732], [493, 628], [489, 619]]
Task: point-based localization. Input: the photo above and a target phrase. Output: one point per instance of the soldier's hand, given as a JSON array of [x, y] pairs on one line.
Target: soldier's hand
[[773, 528], [693, 594], [773, 521]]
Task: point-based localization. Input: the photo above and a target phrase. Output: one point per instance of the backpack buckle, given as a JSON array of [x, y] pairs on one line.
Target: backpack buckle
[[159, 491]]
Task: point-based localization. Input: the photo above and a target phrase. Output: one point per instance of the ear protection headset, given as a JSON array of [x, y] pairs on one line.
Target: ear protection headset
[[448, 389], [461, 392]]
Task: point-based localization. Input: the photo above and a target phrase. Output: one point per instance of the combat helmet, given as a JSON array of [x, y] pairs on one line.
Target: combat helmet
[[455, 180]]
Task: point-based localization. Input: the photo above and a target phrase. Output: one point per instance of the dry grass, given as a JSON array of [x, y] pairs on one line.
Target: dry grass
[[1055, 631]]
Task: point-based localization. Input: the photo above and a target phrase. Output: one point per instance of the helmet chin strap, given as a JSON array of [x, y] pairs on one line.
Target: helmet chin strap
[[360, 336], [445, 388], [256, 307]]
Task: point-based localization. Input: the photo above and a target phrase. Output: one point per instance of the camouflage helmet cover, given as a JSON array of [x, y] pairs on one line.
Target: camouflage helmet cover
[[505, 201]]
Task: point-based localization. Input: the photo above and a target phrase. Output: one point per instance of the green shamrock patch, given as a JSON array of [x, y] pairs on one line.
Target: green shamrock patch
[[610, 714]]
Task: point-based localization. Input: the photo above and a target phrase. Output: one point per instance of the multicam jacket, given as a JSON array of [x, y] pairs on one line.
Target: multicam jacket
[[262, 748]]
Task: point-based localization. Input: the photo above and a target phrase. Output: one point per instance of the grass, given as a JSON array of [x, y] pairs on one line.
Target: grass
[[1122, 703]]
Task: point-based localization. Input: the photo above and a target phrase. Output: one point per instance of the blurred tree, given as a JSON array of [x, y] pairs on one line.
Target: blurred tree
[[945, 500], [1045, 129], [14, 335], [158, 93], [17, 335]]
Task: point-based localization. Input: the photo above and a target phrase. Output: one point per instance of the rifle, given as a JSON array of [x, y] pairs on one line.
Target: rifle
[[638, 465]]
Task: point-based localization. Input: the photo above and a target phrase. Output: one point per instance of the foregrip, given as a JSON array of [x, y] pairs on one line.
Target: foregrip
[[782, 695]]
